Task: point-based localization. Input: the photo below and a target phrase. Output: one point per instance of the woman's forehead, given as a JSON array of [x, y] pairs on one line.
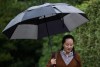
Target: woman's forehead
[[69, 39]]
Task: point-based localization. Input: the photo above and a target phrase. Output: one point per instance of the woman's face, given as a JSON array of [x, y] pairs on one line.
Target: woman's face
[[68, 45]]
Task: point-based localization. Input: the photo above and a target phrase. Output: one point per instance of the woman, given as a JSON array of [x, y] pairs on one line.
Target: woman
[[67, 57]]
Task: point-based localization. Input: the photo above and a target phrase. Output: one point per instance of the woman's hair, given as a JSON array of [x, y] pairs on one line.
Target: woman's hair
[[66, 37]]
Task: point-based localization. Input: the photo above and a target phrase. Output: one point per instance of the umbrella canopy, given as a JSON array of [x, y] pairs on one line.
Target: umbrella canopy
[[44, 20]]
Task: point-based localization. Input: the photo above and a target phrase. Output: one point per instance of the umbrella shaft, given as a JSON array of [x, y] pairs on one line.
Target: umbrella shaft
[[50, 43]]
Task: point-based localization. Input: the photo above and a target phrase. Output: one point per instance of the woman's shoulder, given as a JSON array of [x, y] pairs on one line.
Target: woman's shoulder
[[77, 55]]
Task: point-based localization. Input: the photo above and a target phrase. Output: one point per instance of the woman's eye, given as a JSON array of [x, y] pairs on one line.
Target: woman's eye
[[66, 44], [69, 44]]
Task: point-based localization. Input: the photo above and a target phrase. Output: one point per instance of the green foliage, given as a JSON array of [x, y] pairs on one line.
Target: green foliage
[[33, 53]]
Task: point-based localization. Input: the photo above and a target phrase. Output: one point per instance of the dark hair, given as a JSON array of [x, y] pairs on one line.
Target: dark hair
[[67, 37]]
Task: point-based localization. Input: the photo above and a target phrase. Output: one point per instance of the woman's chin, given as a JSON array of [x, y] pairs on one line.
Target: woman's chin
[[68, 51]]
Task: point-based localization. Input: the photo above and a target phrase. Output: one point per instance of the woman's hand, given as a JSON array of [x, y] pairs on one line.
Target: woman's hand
[[53, 61]]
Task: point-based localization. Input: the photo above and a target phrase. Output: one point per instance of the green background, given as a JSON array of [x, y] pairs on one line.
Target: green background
[[36, 53]]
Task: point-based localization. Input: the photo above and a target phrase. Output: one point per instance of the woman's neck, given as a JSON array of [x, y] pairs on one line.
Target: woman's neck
[[66, 52]]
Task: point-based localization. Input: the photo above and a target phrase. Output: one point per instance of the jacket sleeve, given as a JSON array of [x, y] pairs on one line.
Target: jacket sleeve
[[49, 64]]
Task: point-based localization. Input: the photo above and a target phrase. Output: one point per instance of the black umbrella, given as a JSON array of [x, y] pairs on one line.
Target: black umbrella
[[44, 20]]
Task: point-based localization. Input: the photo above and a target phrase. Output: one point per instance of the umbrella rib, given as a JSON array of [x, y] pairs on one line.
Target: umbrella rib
[[57, 9]]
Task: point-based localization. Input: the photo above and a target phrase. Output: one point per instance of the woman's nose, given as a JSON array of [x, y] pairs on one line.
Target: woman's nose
[[69, 46]]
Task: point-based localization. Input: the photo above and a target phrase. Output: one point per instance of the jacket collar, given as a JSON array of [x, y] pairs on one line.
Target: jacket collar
[[68, 55]]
